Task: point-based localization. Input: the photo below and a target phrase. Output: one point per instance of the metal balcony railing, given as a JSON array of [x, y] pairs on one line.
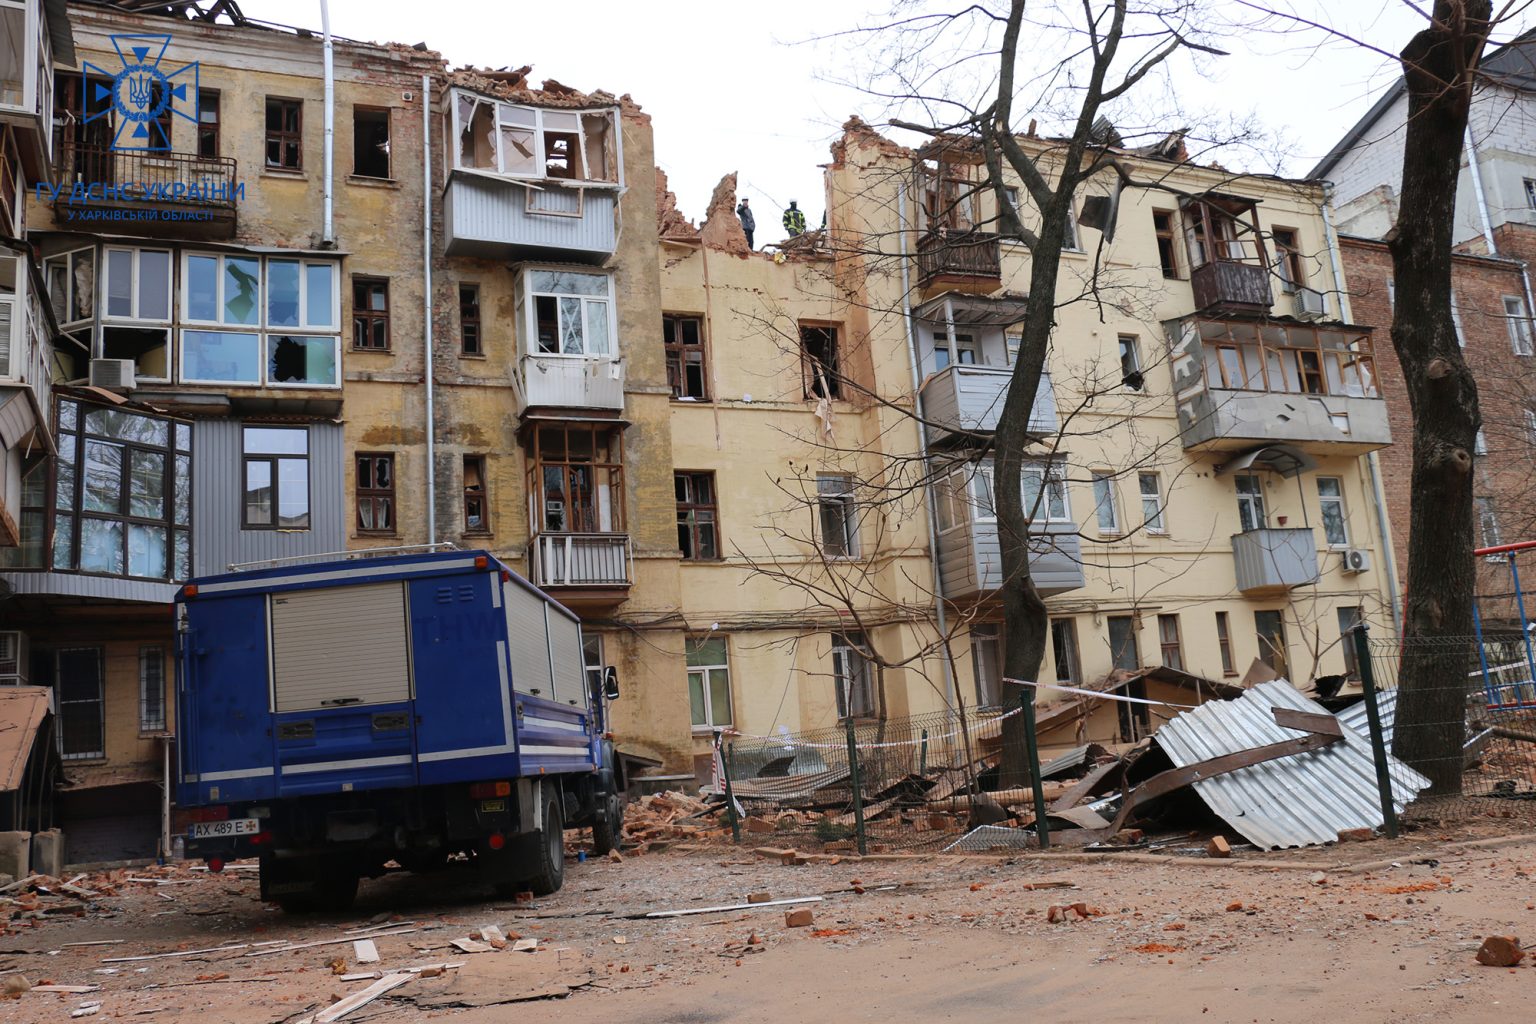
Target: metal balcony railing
[[113, 177], [580, 559]]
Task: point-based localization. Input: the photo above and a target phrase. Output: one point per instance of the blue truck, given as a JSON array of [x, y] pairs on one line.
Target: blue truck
[[338, 718]]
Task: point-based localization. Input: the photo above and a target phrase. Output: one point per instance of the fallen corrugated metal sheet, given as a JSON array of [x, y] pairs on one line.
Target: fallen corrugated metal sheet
[[788, 787], [1353, 717], [1293, 801]]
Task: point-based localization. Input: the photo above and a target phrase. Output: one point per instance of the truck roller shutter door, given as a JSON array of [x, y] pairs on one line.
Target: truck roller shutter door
[[570, 666], [340, 647], [528, 642]]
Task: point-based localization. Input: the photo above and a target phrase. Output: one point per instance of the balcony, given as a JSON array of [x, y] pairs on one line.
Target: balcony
[[1269, 562], [964, 399], [1244, 383], [1225, 286], [970, 560], [497, 218], [37, 35], [963, 261], [569, 382], [178, 194], [581, 569]]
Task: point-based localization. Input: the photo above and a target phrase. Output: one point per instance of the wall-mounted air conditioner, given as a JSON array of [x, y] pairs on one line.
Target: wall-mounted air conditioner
[[1356, 560], [1311, 304], [113, 374]]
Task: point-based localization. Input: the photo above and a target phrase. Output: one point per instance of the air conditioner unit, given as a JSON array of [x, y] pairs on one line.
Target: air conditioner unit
[[1356, 560], [113, 374], [1311, 304], [14, 658]]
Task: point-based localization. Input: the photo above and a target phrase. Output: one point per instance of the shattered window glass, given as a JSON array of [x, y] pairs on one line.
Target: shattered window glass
[[518, 127]]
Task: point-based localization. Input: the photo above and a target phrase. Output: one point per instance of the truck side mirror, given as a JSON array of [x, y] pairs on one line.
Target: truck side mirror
[[611, 683]]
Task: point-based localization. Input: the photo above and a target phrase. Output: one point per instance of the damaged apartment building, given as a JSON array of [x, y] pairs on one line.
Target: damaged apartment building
[[1208, 504]]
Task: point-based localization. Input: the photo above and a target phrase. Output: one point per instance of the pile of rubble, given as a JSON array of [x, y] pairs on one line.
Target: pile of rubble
[[654, 822]]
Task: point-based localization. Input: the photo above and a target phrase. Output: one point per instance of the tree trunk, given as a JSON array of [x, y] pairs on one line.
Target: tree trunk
[[1438, 68]]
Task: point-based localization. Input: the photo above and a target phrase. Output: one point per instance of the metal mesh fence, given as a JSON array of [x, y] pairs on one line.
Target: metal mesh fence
[[921, 782], [1462, 711]]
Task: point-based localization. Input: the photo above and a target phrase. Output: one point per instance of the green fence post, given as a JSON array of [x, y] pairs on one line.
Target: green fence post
[[1373, 718], [1032, 749], [853, 784], [730, 798], [922, 759]]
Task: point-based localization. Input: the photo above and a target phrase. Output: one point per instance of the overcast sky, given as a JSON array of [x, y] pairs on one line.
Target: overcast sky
[[736, 87]]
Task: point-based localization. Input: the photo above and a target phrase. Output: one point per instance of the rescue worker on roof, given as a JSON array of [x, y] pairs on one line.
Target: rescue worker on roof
[[748, 222], [794, 220]]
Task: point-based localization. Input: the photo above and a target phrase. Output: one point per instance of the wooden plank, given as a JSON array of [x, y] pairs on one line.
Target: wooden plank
[[180, 953], [1074, 796], [365, 951], [324, 942], [1308, 721], [341, 1008], [730, 907]]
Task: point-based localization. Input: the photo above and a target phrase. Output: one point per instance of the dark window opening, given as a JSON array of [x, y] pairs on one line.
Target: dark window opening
[[1167, 246], [560, 156], [1270, 627], [469, 320], [477, 517], [370, 142], [285, 138], [370, 313], [684, 338], [1122, 642], [375, 493], [819, 362], [1287, 258], [1168, 641], [697, 516], [1064, 650], [1224, 642], [208, 123]]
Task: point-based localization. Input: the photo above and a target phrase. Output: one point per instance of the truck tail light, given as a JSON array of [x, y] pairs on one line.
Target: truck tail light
[[219, 812], [481, 562], [190, 590], [260, 838], [496, 841], [490, 790]]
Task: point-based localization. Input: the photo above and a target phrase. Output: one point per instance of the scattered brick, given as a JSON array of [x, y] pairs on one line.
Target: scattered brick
[[1500, 951], [801, 918]]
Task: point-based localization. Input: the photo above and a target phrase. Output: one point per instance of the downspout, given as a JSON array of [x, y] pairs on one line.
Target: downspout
[[941, 616], [328, 238], [427, 372], [165, 801], [1373, 468]]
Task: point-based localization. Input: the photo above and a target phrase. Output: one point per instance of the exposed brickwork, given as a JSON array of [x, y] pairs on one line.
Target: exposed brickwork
[[1506, 388]]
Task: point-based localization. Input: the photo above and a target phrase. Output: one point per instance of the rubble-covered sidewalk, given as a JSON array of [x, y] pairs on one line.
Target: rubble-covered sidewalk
[[718, 929]]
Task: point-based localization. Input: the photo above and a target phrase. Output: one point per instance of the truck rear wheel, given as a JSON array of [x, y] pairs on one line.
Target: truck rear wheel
[[546, 865], [607, 823]]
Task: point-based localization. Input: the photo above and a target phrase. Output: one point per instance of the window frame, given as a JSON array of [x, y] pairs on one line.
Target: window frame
[[677, 352], [1152, 519], [582, 502], [1132, 637], [705, 674], [1053, 481], [691, 513], [304, 326], [849, 668], [1224, 644], [136, 253], [1268, 648], [612, 147], [1325, 500], [272, 461], [1168, 259], [389, 134], [831, 373], [1070, 240], [1287, 260], [988, 668], [1253, 501], [1065, 629], [481, 465], [1105, 499], [1129, 345], [847, 500], [1517, 321], [1172, 650], [148, 724], [527, 301], [367, 316], [282, 136], [204, 131], [1530, 192], [1349, 616], [62, 706], [470, 327], [373, 496], [1489, 533]]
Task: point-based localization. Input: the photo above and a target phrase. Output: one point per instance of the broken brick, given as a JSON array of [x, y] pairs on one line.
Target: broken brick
[[758, 825], [1218, 847], [1356, 835], [759, 897], [801, 918], [1500, 951]]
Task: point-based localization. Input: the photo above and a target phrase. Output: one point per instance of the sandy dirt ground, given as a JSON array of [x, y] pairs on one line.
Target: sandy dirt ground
[[932, 939]]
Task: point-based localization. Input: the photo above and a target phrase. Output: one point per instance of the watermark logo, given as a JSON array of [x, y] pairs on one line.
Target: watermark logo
[[146, 95]]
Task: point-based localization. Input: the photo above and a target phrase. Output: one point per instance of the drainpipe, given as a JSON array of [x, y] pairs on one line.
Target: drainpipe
[[426, 277], [328, 239], [940, 615], [1373, 468]]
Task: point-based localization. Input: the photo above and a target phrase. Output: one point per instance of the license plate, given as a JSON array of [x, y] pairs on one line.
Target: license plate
[[493, 806], [225, 829]]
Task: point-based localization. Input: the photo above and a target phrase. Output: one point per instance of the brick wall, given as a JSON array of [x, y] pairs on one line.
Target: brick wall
[[1505, 389]]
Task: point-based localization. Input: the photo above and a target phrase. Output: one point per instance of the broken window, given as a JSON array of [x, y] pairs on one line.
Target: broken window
[[370, 313], [1349, 618], [476, 509], [851, 676], [1130, 363], [208, 123], [285, 139], [1122, 642], [469, 320], [76, 677], [697, 516], [576, 478], [987, 663], [839, 515], [819, 362], [1270, 626], [530, 142], [1287, 258], [684, 339], [1224, 644], [375, 493], [571, 313], [1215, 231], [1064, 650], [370, 142], [1167, 248], [1168, 641]]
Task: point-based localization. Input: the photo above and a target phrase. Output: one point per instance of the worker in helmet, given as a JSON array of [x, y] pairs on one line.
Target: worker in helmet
[[794, 220]]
